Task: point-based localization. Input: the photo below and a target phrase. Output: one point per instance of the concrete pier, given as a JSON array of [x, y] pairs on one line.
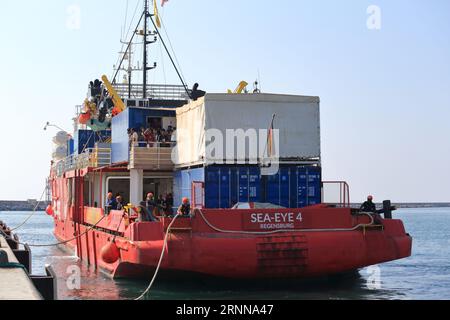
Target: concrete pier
[[15, 283]]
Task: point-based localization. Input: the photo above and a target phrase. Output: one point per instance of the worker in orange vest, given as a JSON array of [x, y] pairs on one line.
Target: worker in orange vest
[[185, 208]]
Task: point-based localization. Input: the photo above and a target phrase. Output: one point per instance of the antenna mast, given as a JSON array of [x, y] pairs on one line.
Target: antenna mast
[[146, 34], [146, 15]]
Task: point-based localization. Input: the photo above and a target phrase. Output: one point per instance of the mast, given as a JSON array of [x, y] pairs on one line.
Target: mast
[[146, 15], [130, 71], [145, 33]]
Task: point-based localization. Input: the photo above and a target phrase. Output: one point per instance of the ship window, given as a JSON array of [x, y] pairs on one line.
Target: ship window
[[131, 103], [86, 193], [155, 123], [69, 192], [120, 186], [158, 186]]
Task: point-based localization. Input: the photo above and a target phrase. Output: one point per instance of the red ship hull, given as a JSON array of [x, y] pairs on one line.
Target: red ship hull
[[241, 244]]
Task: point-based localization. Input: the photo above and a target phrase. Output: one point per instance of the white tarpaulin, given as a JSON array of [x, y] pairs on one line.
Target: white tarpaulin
[[297, 122]]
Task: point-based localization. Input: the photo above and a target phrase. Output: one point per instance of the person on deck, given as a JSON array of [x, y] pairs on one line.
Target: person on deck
[[149, 137], [173, 137], [111, 203], [169, 205], [120, 204], [369, 206], [185, 208], [161, 203], [134, 139], [150, 202], [130, 137]]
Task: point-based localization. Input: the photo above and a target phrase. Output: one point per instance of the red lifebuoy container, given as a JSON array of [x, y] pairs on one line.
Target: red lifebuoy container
[[115, 111], [110, 253], [84, 118]]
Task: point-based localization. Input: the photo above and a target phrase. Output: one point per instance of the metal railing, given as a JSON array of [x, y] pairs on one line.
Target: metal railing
[[156, 145], [90, 158], [154, 91], [152, 156], [100, 157], [336, 193], [198, 195]]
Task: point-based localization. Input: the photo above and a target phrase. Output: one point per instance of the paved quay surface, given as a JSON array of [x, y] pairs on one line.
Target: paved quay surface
[[15, 283]]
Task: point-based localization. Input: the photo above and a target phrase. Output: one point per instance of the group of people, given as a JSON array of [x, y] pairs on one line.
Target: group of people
[[164, 205], [114, 203], [152, 137], [161, 206]]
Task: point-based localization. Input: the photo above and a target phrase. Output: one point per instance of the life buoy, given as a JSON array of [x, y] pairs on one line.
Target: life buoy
[[50, 210], [110, 253]]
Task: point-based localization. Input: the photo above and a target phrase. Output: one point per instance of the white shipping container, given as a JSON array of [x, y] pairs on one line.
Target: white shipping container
[[297, 119]]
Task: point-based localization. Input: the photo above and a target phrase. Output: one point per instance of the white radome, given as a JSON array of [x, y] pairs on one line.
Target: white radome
[[61, 138]]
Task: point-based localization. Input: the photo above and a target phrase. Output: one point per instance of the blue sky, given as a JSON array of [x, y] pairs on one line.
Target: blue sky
[[385, 93]]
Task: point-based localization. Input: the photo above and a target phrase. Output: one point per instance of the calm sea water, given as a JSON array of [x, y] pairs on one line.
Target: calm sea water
[[426, 275]]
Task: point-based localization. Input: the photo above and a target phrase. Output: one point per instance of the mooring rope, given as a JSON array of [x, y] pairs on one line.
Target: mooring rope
[[244, 232], [372, 221], [166, 239], [33, 213], [66, 241], [12, 265]]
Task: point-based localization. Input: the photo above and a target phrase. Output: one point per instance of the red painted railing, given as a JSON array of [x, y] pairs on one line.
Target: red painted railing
[[198, 195]]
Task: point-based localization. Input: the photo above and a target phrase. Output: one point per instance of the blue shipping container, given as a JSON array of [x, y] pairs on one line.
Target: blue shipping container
[[278, 188], [295, 187], [182, 183], [227, 185], [292, 186]]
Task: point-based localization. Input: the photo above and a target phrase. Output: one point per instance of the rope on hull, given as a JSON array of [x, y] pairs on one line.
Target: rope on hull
[[166, 240], [372, 221]]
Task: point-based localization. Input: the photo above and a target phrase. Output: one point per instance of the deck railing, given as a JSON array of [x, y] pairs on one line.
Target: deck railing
[[90, 158], [336, 193], [155, 91], [154, 156]]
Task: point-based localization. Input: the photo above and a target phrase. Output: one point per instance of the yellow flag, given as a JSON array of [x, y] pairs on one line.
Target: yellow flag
[[157, 20]]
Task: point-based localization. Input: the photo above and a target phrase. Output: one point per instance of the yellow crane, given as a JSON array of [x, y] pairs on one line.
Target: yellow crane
[[240, 88], [118, 103]]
